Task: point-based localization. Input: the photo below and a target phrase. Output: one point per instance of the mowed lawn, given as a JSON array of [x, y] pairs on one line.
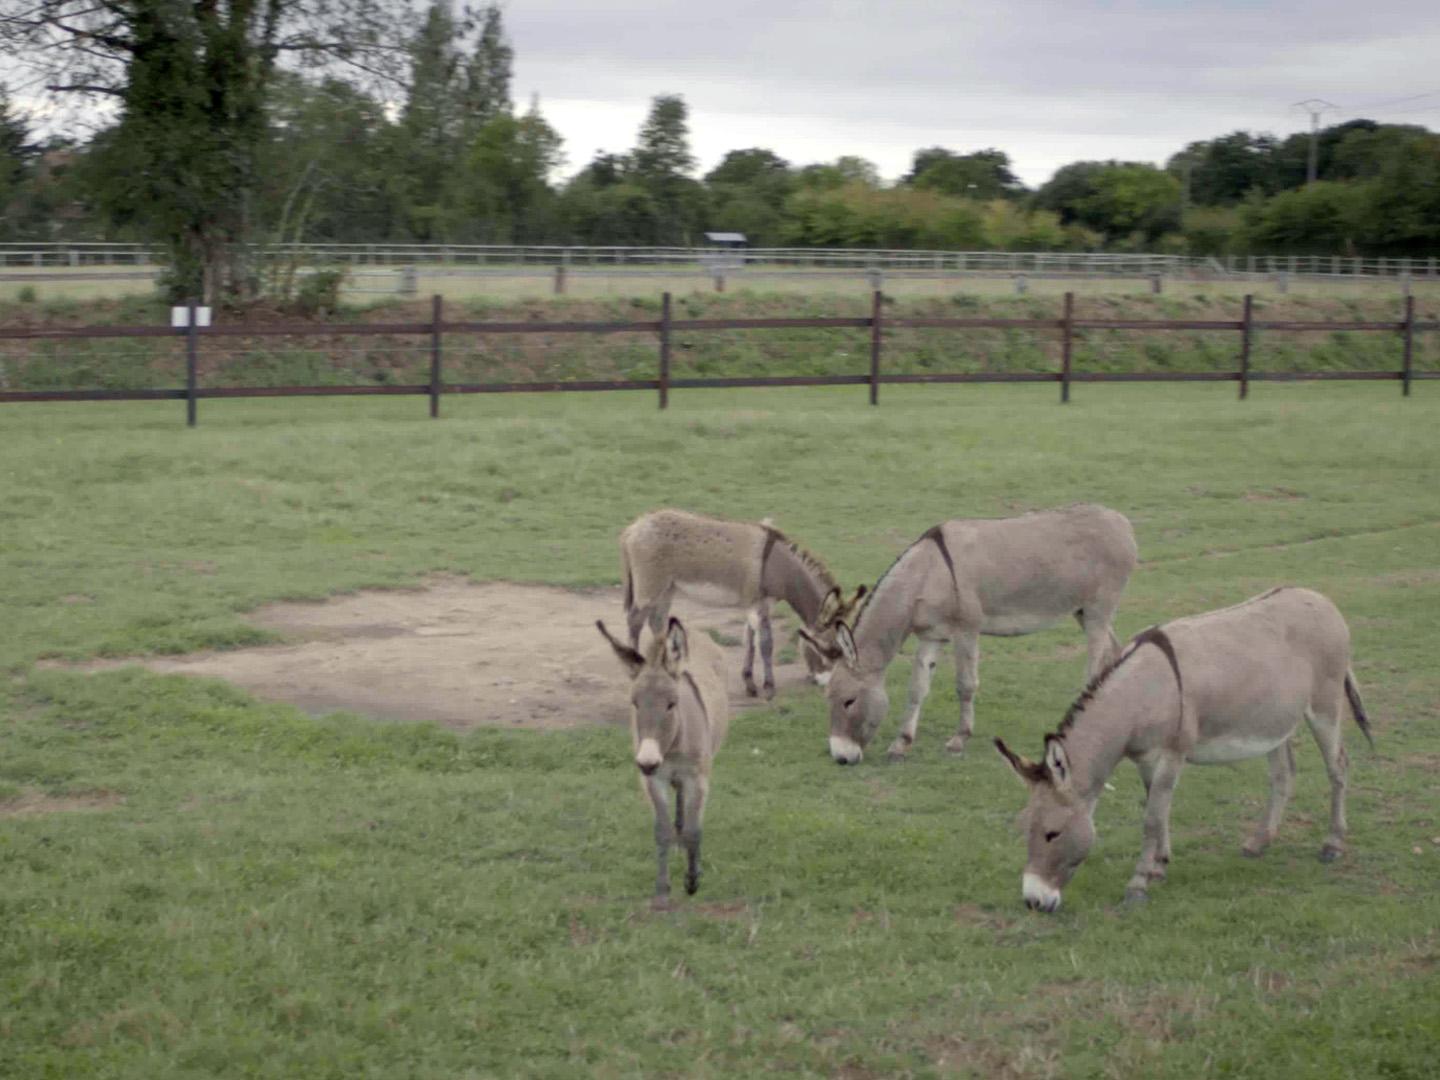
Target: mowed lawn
[[195, 884]]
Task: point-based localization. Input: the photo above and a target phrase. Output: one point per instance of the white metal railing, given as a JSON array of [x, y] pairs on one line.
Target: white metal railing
[[81, 254]]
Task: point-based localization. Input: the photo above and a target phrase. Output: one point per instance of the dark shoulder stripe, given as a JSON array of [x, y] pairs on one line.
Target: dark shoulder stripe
[[690, 680], [935, 533], [1153, 635]]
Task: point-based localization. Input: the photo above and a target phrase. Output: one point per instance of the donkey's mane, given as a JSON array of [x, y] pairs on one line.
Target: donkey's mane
[[1151, 634], [808, 558]]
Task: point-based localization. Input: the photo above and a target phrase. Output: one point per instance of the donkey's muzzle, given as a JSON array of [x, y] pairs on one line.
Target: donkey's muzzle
[[647, 767]]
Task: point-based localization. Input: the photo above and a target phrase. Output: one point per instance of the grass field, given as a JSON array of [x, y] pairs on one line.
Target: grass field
[[195, 884]]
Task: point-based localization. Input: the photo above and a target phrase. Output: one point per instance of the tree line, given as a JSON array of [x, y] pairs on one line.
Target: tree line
[[294, 121]]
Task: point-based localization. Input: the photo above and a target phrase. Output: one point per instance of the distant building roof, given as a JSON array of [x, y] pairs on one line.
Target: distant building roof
[[725, 237]]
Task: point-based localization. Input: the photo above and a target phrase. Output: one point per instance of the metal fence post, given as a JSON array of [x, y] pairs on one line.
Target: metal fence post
[[1246, 330], [1067, 334], [1409, 349], [192, 351], [664, 350], [435, 355], [876, 302]]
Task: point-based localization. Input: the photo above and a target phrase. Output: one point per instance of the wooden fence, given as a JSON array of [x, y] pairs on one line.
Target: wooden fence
[[666, 326]]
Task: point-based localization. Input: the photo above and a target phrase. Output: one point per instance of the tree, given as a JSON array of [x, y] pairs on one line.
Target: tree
[[982, 175], [486, 90], [1118, 199], [747, 192], [660, 164], [15, 155], [508, 168], [845, 170], [191, 79], [1221, 172]]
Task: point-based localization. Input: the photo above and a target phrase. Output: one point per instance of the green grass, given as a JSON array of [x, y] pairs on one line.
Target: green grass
[[257, 892]]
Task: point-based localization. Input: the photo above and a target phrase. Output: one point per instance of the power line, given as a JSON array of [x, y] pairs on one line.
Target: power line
[[1316, 107]]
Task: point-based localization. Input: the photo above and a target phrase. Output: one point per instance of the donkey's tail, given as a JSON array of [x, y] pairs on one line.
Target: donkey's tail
[[1352, 693]]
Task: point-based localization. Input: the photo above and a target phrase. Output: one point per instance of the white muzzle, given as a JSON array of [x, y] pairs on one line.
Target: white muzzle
[[1039, 896], [845, 751], [648, 756]]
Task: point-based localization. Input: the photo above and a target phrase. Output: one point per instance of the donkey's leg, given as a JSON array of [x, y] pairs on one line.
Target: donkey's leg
[[967, 681], [924, 667], [1326, 729], [767, 649], [1101, 644], [747, 669], [1282, 786], [1164, 771], [694, 794], [660, 611], [655, 789]]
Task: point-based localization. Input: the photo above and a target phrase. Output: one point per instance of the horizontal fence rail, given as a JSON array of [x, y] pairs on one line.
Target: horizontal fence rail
[[1066, 325], [38, 255]]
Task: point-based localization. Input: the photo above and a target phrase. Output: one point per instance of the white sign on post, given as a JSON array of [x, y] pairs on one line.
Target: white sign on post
[[180, 317]]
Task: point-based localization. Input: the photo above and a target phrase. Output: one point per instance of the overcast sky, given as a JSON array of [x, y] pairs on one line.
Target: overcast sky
[[1047, 81]]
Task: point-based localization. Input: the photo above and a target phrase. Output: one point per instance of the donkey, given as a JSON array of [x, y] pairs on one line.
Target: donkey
[[734, 562], [679, 713], [1218, 687], [964, 578]]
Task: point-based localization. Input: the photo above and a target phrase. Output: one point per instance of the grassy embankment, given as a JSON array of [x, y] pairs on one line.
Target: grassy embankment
[[261, 361], [197, 884]]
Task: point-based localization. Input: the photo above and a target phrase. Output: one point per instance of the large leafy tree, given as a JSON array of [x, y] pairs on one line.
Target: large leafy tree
[[983, 175], [1123, 201], [191, 80], [661, 164]]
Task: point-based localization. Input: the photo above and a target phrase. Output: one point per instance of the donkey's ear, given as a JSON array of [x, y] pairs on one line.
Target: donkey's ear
[[860, 591], [677, 645], [1057, 763], [829, 607], [846, 640], [1027, 770], [632, 660]]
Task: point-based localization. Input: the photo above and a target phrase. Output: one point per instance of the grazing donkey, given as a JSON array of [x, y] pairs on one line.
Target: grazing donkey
[[733, 562], [1218, 687], [679, 713], [964, 578]]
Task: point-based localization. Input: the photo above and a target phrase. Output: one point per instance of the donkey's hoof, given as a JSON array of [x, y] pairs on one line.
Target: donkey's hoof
[[769, 691], [1252, 850], [750, 690], [1135, 897], [1329, 853], [660, 903], [896, 756], [956, 745], [692, 884]]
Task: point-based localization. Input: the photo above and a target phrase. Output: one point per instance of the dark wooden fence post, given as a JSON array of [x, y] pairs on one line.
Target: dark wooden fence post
[[560, 280], [1409, 353], [192, 362], [665, 350], [1247, 331], [876, 302], [1067, 340], [435, 312]]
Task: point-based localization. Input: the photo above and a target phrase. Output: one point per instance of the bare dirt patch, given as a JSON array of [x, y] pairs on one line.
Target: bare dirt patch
[[457, 653], [34, 803]]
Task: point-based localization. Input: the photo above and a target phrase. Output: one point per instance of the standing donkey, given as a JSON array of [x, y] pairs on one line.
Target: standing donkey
[[734, 562], [679, 713], [1218, 687], [964, 578]]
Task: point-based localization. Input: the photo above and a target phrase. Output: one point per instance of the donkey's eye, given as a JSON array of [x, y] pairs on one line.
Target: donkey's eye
[[1050, 836], [849, 702], [670, 707]]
